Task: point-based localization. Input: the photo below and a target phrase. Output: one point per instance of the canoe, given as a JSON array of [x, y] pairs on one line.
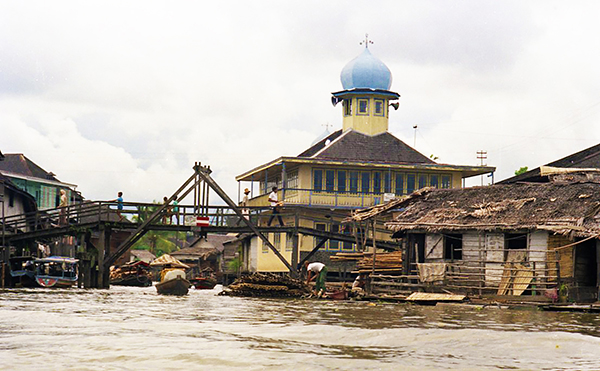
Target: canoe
[[204, 283], [176, 286]]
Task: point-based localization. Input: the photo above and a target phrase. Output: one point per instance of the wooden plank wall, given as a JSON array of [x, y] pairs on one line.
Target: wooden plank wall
[[565, 255], [494, 244], [434, 248]]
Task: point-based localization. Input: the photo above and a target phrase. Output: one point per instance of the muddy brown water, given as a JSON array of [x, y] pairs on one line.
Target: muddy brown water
[[135, 329]]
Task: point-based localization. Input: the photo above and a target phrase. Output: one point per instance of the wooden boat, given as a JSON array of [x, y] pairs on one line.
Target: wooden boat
[[56, 271], [204, 283], [176, 286], [337, 294], [173, 282], [131, 274], [22, 271]]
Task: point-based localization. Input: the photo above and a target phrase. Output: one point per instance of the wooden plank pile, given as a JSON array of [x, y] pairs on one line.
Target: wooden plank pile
[[387, 261], [267, 285]]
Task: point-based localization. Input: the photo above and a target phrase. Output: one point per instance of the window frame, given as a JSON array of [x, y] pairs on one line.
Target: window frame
[[376, 103], [364, 101]]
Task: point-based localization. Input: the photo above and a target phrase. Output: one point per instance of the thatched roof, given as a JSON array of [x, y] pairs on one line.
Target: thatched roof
[[167, 259], [565, 208]]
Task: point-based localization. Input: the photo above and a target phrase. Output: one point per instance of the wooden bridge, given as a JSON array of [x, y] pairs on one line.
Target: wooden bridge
[[96, 224]]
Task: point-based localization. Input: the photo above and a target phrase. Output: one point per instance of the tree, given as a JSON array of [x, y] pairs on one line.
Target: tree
[[157, 242], [521, 170]]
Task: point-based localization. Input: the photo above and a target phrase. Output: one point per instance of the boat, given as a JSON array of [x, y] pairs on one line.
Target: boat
[[204, 283], [131, 274], [172, 277], [22, 271], [173, 283], [56, 271]]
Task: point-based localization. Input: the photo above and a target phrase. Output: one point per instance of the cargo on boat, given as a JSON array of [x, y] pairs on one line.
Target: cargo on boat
[[267, 285], [131, 274]]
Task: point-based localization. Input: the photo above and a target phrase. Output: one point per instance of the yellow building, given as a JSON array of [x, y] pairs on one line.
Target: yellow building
[[358, 166]]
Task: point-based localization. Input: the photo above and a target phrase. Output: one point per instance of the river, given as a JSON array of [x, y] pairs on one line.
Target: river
[[127, 328]]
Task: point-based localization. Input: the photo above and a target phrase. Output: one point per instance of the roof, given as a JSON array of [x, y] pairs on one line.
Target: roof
[[204, 248], [144, 255], [167, 259], [17, 163], [559, 207], [366, 71], [354, 146], [588, 158], [30, 204]]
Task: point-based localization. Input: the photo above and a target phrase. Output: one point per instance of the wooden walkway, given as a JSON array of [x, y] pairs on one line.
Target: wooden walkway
[[102, 218]]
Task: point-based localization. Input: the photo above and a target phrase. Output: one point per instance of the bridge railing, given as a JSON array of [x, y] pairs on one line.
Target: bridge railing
[[91, 212]]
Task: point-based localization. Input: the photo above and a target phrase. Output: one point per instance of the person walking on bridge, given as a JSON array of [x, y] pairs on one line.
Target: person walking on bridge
[[275, 205]]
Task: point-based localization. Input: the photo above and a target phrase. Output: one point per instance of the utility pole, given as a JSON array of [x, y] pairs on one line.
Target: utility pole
[[482, 156], [415, 140]]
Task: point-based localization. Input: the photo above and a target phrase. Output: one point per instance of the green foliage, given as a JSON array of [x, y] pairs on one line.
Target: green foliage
[[521, 170], [434, 158], [157, 242], [235, 265]]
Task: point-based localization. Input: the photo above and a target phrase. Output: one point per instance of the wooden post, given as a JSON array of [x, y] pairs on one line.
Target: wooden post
[[374, 258]]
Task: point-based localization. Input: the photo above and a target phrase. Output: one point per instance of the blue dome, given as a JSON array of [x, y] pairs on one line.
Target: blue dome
[[366, 72]]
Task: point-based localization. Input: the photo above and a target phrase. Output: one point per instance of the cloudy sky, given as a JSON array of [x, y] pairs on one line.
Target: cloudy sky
[[127, 95]]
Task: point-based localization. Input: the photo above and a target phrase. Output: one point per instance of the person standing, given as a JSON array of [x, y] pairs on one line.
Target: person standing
[[63, 207], [319, 271], [244, 204], [175, 211], [275, 205], [119, 201]]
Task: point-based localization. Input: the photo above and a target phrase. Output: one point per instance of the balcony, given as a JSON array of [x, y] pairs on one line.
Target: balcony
[[309, 197]]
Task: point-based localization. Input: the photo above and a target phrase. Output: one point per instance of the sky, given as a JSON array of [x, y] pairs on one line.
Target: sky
[[127, 95]]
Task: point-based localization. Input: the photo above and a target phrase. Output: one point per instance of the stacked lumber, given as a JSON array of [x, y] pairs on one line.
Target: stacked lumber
[[388, 260], [383, 261], [347, 256], [267, 285]]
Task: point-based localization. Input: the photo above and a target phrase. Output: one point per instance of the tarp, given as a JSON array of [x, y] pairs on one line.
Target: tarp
[[167, 259]]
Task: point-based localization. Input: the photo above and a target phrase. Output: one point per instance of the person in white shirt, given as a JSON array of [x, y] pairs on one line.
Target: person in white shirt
[[275, 206], [319, 271]]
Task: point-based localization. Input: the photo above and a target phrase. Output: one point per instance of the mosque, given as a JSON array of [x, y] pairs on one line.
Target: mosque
[[358, 166]]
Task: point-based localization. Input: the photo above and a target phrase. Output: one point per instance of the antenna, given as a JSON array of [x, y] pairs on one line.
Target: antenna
[[482, 156], [366, 41]]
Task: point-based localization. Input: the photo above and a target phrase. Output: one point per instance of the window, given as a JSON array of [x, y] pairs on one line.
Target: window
[[433, 181], [320, 227], [341, 182], [363, 106], [354, 181], [377, 182], [289, 241], [334, 244], [347, 246], [515, 247], [11, 199], [379, 111], [329, 180], [318, 180], [422, 181], [265, 248], [399, 184], [347, 107], [277, 241], [410, 183], [387, 182], [292, 180], [446, 180], [365, 182], [453, 247]]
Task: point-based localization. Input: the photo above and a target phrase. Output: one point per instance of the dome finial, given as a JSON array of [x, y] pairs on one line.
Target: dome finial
[[366, 41]]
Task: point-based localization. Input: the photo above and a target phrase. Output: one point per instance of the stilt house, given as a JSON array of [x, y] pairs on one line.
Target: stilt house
[[510, 239]]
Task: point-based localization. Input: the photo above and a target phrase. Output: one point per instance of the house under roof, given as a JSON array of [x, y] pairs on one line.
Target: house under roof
[[568, 208], [588, 158]]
